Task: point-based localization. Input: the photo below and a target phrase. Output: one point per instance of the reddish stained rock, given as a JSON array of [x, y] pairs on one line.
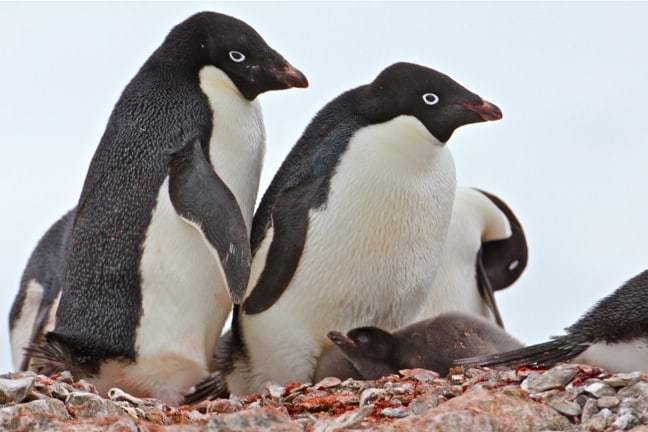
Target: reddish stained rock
[[481, 409], [255, 419]]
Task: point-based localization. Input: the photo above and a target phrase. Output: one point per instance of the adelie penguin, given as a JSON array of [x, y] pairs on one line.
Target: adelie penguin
[[370, 352], [160, 242], [485, 251], [612, 335], [351, 229], [33, 310]]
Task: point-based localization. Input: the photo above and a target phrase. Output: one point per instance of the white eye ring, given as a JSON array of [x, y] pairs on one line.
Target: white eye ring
[[237, 56], [430, 99]]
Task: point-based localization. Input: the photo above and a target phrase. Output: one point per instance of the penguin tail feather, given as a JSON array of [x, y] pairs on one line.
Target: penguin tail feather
[[212, 387], [544, 354], [47, 358]]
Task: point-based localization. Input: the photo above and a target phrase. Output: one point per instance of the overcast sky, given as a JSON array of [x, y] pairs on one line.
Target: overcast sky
[[569, 157]]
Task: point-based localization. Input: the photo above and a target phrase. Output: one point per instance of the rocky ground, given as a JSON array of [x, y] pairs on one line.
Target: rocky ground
[[567, 397]]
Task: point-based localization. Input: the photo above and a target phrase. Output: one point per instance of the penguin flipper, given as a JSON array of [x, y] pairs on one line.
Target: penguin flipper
[[544, 354], [486, 289], [290, 225], [201, 198]]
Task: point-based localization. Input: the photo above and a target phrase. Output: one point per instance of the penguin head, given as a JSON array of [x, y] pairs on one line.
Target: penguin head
[[229, 44], [371, 350], [436, 100]]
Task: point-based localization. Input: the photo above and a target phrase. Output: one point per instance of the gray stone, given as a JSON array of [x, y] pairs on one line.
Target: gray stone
[[394, 412], [83, 404], [345, 421], [483, 410], [595, 424], [329, 382], [571, 409], [608, 402], [424, 403], [553, 378], [599, 389], [590, 408], [639, 389], [268, 419], [32, 415], [15, 390], [624, 422], [623, 379]]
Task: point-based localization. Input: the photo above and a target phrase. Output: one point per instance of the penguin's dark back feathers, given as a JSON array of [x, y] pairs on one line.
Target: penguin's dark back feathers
[[159, 111], [619, 317], [314, 155]]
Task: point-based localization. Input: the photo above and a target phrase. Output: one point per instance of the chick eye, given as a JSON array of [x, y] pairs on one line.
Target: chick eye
[[237, 56], [363, 339], [430, 99], [513, 265]]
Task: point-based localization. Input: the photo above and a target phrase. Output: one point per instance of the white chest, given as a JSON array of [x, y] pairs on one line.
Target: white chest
[[371, 251], [237, 144]]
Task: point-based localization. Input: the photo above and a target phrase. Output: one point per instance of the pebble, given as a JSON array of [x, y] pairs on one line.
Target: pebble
[[328, 382], [624, 421], [394, 412], [639, 389], [599, 389], [623, 379], [424, 403], [553, 378], [571, 409], [608, 402], [590, 408], [15, 390]]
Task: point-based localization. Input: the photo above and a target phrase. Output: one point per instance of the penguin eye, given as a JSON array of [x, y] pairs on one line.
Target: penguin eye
[[363, 339], [430, 99], [237, 56]]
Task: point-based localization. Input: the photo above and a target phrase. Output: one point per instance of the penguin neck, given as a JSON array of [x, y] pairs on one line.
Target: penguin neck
[[403, 140], [237, 142]]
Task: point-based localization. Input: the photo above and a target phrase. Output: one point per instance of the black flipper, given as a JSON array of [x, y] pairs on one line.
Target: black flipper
[[486, 289], [290, 224], [203, 199], [544, 354]]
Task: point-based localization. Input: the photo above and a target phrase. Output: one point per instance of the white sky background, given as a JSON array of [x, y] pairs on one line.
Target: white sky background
[[569, 157]]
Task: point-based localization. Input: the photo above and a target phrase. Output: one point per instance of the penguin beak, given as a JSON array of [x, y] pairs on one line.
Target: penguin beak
[[290, 76], [340, 339], [486, 110]]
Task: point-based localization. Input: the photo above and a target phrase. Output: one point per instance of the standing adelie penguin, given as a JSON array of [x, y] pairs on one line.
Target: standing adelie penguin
[[345, 235], [33, 309], [370, 352], [160, 238], [612, 335], [485, 251]]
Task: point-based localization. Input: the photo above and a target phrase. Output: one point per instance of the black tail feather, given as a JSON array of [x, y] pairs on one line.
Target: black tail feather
[[212, 387], [543, 354], [48, 357]]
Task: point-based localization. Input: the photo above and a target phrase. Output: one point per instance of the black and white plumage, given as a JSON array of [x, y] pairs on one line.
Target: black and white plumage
[[351, 229], [33, 310], [612, 335], [485, 251], [160, 239], [433, 344]]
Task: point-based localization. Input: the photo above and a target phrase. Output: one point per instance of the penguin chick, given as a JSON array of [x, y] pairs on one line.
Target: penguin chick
[[485, 251], [160, 240], [33, 310], [370, 352], [612, 335], [351, 229]]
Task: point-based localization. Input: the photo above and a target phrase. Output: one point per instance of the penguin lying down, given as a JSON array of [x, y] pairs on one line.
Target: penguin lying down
[[612, 335], [370, 352]]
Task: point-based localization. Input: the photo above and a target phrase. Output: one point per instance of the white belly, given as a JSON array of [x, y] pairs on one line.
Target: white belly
[[619, 357], [184, 306], [371, 252]]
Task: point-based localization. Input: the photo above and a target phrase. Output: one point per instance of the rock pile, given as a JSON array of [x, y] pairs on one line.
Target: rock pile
[[567, 397]]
